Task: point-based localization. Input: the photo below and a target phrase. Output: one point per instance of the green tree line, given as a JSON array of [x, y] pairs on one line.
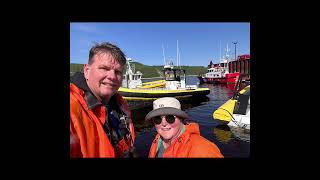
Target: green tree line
[[149, 71]]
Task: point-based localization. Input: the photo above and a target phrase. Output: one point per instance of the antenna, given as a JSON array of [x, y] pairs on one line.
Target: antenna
[[235, 50], [220, 51], [227, 52], [179, 59], [177, 53], [164, 57]]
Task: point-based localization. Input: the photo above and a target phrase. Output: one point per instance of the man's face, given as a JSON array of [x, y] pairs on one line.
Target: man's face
[[104, 75]]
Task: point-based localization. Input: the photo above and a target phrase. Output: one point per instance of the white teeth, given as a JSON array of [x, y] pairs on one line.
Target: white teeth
[[107, 84]]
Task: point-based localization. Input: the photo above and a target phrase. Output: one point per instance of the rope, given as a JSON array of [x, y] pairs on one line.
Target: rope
[[233, 120]]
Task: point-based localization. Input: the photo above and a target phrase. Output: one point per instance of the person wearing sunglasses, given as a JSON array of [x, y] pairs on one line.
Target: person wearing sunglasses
[[177, 138]]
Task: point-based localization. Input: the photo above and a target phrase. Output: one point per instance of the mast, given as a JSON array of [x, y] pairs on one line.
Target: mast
[[220, 52], [227, 57], [179, 59], [177, 53], [227, 53], [164, 57]]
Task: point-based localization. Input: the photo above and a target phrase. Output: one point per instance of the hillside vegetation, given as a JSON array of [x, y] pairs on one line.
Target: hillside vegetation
[[149, 71]]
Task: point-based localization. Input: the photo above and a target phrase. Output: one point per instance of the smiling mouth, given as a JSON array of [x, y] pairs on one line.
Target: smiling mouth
[[165, 129], [107, 84]]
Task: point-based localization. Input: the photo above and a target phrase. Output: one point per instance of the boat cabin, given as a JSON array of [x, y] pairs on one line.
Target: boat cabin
[[174, 74], [175, 78], [131, 79]]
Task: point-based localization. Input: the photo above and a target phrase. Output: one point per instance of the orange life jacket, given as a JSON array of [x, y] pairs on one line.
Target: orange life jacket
[[88, 137], [188, 145]]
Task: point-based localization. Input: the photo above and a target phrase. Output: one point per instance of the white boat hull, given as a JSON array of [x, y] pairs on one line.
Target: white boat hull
[[242, 121]]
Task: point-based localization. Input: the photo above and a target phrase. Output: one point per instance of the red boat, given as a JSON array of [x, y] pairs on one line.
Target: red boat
[[227, 72], [227, 78]]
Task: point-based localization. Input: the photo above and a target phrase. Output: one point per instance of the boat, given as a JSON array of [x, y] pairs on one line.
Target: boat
[[236, 111], [155, 93], [174, 85], [219, 73], [132, 79]]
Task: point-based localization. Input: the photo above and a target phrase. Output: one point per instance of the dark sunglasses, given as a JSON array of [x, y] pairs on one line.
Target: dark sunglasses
[[169, 118]]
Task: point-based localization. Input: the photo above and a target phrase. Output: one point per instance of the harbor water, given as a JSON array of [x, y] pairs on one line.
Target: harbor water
[[233, 143]]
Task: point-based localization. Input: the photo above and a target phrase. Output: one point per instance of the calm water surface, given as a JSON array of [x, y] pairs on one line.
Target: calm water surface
[[232, 142]]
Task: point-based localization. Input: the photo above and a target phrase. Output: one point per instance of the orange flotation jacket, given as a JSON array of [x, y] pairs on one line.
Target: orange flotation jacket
[[98, 129], [188, 145]]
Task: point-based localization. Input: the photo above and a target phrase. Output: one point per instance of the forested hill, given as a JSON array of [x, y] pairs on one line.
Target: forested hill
[[149, 71]]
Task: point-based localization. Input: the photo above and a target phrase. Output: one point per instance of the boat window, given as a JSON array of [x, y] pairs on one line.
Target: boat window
[[169, 74]]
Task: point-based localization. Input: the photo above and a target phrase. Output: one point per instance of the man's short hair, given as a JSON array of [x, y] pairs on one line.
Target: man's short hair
[[107, 47]]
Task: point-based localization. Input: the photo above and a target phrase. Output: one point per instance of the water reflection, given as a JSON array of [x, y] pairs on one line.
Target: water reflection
[[138, 114], [225, 133], [240, 133], [222, 133]]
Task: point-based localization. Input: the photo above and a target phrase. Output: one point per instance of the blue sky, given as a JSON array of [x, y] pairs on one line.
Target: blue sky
[[198, 42]]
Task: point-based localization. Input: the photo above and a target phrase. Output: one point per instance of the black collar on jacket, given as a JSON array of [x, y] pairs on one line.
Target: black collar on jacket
[[79, 80]]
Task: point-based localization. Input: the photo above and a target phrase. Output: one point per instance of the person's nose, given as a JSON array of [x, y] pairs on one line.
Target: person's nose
[[164, 121], [112, 75]]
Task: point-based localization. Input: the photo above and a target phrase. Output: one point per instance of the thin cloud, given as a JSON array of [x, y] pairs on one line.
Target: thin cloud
[[86, 28]]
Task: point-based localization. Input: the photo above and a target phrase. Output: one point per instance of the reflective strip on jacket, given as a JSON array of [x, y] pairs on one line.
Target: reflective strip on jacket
[[87, 135], [189, 145]]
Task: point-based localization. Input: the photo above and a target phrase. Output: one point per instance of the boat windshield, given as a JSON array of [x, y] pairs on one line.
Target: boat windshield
[[174, 74]]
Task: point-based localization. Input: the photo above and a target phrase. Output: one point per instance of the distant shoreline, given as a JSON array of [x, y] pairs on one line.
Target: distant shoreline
[[71, 73], [163, 77]]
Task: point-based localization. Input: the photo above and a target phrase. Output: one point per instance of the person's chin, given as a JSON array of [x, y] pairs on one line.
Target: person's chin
[[166, 136], [108, 92]]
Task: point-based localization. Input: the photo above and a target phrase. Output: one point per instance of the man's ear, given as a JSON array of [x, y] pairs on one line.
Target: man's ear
[[86, 69]]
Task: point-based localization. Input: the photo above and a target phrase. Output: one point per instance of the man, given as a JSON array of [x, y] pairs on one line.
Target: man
[[176, 138], [100, 120]]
